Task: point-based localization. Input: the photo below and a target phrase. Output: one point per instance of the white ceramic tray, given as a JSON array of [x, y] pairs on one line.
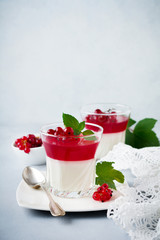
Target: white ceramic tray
[[36, 199]]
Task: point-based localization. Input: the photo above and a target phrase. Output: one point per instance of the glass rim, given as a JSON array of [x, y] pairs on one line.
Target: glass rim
[[127, 111], [69, 136]]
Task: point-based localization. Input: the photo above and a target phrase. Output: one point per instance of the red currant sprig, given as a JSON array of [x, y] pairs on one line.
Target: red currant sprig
[[101, 117], [27, 142], [68, 131], [103, 193], [66, 134]]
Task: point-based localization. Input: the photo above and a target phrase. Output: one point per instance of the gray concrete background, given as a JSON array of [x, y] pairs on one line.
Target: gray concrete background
[[56, 56], [59, 55]]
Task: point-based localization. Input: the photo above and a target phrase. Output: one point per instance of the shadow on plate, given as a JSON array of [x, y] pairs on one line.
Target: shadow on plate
[[68, 216]]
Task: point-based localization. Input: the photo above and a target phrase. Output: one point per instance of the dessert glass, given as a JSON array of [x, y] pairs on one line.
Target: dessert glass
[[113, 118], [71, 161]]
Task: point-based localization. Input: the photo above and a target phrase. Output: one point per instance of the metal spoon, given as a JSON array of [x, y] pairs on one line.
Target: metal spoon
[[35, 178]]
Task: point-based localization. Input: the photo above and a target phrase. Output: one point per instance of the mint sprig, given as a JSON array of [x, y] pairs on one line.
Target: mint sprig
[[142, 135], [107, 174], [70, 121]]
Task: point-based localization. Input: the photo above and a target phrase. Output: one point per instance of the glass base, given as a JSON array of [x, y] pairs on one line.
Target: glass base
[[79, 194]]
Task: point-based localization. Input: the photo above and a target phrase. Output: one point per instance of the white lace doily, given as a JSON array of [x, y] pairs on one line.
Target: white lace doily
[[138, 210]]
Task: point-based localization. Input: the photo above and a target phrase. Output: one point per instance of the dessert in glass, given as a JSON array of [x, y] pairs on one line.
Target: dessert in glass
[[113, 118], [70, 159]]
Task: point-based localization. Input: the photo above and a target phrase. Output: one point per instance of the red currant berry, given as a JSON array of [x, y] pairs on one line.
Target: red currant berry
[[24, 138], [98, 111], [87, 118], [96, 196], [51, 131], [108, 195], [102, 118], [59, 131], [99, 189], [68, 139], [64, 139], [94, 117], [38, 142], [21, 147], [17, 141], [104, 193], [77, 139], [104, 185], [113, 118], [68, 131], [31, 136], [26, 150], [105, 197], [31, 140], [91, 118], [109, 191], [28, 145]]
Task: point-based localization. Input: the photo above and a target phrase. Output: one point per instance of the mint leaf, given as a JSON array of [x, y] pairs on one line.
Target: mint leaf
[[131, 122], [107, 174], [70, 121], [81, 126], [89, 132], [76, 132], [142, 135]]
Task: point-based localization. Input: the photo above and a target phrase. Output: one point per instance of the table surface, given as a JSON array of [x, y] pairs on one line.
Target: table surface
[[17, 223]]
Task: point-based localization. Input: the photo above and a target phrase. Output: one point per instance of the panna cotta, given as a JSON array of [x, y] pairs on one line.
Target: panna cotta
[[108, 140], [70, 160], [113, 118], [71, 176]]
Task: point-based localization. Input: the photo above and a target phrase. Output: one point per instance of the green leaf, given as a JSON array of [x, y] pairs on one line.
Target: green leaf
[[76, 132], [81, 126], [92, 138], [142, 135], [100, 181], [70, 121], [146, 138], [107, 174], [130, 138], [131, 122], [89, 132], [146, 123]]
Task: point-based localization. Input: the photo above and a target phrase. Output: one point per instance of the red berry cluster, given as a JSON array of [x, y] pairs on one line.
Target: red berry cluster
[[103, 193], [101, 118], [64, 135], [27, 142], [68, 131]]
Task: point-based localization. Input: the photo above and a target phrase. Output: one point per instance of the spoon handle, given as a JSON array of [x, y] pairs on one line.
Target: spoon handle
[[55, 209]]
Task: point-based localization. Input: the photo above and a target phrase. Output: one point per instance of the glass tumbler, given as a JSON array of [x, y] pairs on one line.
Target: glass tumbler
[[113, 118], [71, 160]]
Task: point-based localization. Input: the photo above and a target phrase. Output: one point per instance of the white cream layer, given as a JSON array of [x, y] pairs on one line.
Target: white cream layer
[[70, 176], [107, 142]]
